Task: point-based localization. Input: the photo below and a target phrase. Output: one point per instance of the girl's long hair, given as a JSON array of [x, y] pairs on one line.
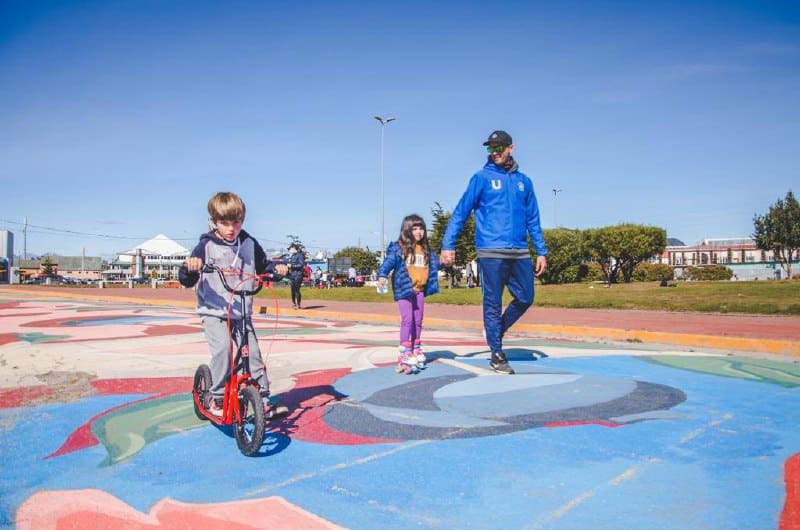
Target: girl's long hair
[[406, 239]]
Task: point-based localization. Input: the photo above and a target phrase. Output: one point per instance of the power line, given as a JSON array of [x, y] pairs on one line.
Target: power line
[[49, 230]]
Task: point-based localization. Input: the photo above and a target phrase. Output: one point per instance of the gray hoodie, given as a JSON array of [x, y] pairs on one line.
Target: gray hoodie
[[240, 261]]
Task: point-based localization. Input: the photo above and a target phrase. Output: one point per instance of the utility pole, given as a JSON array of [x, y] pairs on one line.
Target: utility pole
[[555, 205], [383, 121], [25, 238]]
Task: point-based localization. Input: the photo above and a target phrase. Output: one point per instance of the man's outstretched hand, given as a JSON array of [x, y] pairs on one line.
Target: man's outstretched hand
[[447, 257]]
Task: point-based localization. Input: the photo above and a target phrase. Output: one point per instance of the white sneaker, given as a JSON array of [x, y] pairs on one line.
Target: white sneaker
[[215, 407]]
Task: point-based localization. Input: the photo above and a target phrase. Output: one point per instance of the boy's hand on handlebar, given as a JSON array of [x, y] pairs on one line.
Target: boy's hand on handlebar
[[283, 270], [194, 264]]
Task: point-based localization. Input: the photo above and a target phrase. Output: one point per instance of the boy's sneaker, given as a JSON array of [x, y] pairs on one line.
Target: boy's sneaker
[[215, 407], [273, 409], [499, 364]]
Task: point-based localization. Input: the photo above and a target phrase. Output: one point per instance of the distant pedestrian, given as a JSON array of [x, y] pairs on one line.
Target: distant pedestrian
[[470, 276], [297, 269], [414, 271], [351, 276], [506, 213]]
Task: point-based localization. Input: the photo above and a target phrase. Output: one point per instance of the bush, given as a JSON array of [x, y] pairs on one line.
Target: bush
[[585, 272], [571, 274], [708, 273], [653, 272]]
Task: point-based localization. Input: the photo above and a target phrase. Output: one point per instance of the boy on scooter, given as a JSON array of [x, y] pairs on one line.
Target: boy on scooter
[[236, 252]]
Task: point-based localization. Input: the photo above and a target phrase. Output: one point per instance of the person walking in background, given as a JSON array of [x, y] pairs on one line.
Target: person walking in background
[[414, 272], [506, 212], [297, 269]]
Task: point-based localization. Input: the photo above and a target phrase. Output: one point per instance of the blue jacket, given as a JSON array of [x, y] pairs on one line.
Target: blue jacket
[[297, 265], [506, 211], [402, 286]]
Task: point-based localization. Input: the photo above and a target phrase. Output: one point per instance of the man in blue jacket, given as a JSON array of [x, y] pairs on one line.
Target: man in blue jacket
[[506, 212]]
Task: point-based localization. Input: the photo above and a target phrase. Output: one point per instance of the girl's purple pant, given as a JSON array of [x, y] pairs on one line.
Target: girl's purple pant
[[412, 310]]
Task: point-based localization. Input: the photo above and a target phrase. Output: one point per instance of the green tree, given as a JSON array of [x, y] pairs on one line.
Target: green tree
[[624, 246], [564, 255], [465, 244], [295, 240], [779, 231], [361, 259], [48, 268]]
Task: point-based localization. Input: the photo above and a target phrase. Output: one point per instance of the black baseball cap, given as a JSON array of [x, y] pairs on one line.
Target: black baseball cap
[[499, 137]]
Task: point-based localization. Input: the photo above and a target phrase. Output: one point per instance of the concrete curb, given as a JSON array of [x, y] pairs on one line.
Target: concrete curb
[[686, 340]]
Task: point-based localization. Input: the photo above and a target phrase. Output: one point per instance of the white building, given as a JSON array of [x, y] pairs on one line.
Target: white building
[[739, 254], [7, 245], [161, 255]]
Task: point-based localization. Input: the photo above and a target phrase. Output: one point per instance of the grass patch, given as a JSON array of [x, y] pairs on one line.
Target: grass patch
[[756, 297]]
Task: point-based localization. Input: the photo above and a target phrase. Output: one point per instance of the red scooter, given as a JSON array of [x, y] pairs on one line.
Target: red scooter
[[242, 406]]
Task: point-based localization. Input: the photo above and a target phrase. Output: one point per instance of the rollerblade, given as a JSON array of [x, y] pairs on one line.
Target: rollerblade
[[419, 356], [406, 362]]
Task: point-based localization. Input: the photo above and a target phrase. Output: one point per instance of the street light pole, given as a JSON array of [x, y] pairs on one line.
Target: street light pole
[[383, 122], [555, 205]]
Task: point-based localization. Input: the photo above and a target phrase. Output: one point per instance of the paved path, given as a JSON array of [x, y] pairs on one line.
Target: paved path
[[745, 333], [97, 428]]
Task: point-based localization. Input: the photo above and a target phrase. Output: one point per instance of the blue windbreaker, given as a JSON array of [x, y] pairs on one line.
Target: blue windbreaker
[[402, 286], [506, 211]]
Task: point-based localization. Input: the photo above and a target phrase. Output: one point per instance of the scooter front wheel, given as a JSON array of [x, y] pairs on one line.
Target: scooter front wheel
[[249, 429], [201, 391]]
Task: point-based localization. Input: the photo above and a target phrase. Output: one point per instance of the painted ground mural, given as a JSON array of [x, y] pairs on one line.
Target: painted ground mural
[[97, 430]]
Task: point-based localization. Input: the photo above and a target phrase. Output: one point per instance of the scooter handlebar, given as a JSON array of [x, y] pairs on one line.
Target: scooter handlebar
[[259, 279]]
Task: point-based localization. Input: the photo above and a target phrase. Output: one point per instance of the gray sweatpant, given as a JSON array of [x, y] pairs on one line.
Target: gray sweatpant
[[218, 338]]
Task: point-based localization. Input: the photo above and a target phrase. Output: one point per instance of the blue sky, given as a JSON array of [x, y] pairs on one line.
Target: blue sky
[[118, 120]]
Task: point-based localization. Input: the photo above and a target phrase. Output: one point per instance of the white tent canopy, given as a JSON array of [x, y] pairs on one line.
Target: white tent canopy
[[160, 245]]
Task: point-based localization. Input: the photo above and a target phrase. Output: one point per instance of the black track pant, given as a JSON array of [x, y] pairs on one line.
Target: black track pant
[[295, 282]]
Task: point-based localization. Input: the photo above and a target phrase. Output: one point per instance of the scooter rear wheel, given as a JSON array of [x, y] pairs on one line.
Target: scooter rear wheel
[[249, 431], [201, 391]]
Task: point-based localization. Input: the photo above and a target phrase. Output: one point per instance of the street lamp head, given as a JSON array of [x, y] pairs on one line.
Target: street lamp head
[[384, 120]]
